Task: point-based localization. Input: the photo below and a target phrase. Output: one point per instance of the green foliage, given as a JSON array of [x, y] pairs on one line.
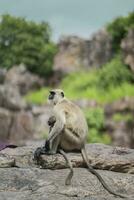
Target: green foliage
[[26, 42], [105, 85], [37, 97], [112, 94], [95, 119], [117, 117], [114, 74], [119, 28]]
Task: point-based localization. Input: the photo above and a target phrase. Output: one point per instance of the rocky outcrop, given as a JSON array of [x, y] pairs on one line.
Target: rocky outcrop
[[122, 105], [16, 122], [76, 53], [22, 179], [100, 49], [70, 55], [119, 122], [10, 98], [23, 79], [127, 46]]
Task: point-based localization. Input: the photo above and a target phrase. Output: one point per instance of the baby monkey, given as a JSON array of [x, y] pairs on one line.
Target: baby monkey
[[67, 133]]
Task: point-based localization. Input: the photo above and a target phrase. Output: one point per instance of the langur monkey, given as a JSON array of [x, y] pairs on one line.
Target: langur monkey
[[67, 133]]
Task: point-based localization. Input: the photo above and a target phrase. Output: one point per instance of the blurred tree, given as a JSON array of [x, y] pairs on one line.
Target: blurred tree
[[26, 42], [119, 28]]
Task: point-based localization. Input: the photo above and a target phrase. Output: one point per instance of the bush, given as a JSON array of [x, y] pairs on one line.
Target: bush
[[119, 28], [26, 42], [95, 119], [114, 74]]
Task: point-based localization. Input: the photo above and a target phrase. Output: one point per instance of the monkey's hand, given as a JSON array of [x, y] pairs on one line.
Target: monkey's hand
[[38, 152], [42, 150], [51, 121]]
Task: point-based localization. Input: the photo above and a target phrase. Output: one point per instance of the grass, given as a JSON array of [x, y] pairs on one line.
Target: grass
[[118, 117], [93, 93]]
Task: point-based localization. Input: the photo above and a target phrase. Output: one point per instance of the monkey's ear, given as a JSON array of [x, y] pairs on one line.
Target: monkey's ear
[[62, 94]]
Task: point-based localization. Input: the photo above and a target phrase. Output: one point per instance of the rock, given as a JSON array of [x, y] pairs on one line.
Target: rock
[[41, 115], [100, 156], [10, 98], [22, 127], [69, 56], [5, 123], [100, 48], [18, 75], [6, 161], [76, 53], [30, 182], [86, 103], [16, 127], [127, 46], [36, 184], [121, 130], [122, 105]]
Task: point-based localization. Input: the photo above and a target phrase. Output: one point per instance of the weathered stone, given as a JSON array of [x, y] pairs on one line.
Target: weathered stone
[[122, 105], [10, 97], [121, 131], [18, 75], [27, 182], [5, 123], [76, 53], [100, 48], [22, 127], [41, 115], [37, 184], [100, 156], [6, 161], [69, 56]]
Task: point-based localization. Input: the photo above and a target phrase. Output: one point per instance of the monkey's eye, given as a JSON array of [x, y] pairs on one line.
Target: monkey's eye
[[62, 94], [51, 95]]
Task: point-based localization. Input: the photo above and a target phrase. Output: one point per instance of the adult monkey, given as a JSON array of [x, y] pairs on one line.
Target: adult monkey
[[68, 131]]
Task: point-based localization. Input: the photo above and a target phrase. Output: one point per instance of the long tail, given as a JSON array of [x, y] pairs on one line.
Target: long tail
[[93, 171]]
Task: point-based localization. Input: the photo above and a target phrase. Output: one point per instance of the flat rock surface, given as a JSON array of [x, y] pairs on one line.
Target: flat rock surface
[[22, 179]]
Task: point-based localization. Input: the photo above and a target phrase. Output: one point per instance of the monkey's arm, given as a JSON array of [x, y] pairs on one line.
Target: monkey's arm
[[58, 126], [51, 145]]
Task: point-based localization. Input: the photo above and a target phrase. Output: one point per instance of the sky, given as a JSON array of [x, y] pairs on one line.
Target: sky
[[69, 17]]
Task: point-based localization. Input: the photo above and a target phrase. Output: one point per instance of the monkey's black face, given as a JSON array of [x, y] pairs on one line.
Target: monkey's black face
[[51, 95], [55, 96]]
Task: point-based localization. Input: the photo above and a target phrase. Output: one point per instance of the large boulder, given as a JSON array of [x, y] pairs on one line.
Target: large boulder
[[5, 124], [119, 121], [19, 76], [127, 46], [22, 179], [100, 49], [16, 127], [22, 127], [69, 57], [41, 115], [10, 98], [76, 53]]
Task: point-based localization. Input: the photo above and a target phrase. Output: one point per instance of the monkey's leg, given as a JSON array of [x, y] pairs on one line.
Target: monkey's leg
[[70, 175], [93, 171], [53, 145]]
